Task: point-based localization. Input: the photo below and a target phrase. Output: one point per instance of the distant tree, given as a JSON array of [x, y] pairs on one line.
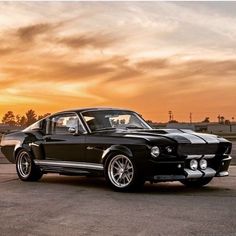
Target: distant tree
[[150, 122], [18, 118], [43, 116], [9, 118], [222, 120], [206, 120], [31, 117], [23, 121], [227, 122]]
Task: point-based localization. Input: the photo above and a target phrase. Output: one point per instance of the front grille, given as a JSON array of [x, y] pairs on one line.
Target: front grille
[[198, 149]]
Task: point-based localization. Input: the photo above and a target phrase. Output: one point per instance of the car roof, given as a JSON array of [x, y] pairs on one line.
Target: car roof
[[78, 110]]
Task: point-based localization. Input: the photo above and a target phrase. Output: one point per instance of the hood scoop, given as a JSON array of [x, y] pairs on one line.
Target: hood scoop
[[161, 131]]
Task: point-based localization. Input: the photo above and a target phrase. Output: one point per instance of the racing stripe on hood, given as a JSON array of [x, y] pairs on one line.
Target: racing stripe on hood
[[190, 137], [177, 136], [208, 138]]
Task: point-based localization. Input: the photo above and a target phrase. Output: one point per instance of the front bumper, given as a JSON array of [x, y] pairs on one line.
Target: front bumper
[[219, 168]]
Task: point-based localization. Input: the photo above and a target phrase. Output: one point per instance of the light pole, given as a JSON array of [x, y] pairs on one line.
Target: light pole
[[170, 115], [231, 130]]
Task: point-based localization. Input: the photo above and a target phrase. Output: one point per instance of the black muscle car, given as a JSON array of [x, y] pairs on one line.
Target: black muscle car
[[117, 144]]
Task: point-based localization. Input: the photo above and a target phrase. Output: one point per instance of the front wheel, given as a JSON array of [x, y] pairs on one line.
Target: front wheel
[[122, 174], [25, 167], [196, 183]]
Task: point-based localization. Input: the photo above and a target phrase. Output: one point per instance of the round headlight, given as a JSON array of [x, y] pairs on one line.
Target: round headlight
[[155, 151], [203, 164], [193, 164]]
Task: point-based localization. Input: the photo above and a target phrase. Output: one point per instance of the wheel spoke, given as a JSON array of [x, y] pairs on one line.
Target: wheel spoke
[[129, 167], [127, 177], [116, 174], [126, 164], [117, 168], [119, 164], [120, 178]]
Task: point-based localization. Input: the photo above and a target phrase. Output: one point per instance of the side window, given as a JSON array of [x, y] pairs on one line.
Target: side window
[[66, 124]]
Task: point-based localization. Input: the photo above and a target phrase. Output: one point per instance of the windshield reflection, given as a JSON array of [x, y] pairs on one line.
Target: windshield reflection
[[101, 120]]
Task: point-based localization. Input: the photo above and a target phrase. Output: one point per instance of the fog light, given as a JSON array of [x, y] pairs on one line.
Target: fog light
[[203, 164], [155, 151], [193, 164]]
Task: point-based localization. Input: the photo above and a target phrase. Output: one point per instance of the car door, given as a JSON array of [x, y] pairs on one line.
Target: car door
[[65, 138]]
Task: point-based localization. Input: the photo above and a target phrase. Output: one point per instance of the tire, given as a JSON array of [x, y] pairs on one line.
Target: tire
[[25, 167], [122, 174], [196, 183]]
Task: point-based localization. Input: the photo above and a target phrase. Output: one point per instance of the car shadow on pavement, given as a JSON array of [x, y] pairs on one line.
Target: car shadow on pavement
[[178, 188], [81, 181], [99, 183]]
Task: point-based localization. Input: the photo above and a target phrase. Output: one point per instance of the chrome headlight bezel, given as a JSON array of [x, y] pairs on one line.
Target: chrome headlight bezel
[[155, 151]]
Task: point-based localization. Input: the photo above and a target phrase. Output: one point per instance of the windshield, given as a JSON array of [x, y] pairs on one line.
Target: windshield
[[113, 119]]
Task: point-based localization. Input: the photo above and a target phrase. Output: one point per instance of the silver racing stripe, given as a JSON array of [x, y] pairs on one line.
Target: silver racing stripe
[[192, 138], [208, 138]]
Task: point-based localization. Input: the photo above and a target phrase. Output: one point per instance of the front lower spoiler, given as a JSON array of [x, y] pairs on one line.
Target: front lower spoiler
[[197, 174], [194, 174]]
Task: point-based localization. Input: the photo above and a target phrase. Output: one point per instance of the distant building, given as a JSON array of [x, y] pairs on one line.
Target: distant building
[[7, 128], [221, 128], [180, 126], [204, 127]]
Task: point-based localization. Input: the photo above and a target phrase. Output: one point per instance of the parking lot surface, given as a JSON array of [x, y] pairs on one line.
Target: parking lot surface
[[61, 205]]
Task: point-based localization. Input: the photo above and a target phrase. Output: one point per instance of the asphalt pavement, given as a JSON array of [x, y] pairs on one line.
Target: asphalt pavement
[[62, 205]]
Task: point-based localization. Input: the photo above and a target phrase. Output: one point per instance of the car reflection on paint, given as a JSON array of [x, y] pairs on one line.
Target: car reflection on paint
[[117, 144]]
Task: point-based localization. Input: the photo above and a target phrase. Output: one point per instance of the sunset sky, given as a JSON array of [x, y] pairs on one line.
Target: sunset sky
[[151, 57]]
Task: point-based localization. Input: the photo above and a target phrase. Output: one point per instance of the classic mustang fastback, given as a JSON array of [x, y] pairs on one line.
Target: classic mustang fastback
[[117, 144]]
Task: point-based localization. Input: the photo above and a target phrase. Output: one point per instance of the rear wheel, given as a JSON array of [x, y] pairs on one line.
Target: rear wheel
[[25, 167], [122, 174], [196, 183]]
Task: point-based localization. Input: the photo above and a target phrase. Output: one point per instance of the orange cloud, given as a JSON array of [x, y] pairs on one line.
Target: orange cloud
[[88, 58]]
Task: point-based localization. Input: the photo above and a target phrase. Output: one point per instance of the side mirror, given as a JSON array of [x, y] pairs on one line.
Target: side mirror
[[72, 130]]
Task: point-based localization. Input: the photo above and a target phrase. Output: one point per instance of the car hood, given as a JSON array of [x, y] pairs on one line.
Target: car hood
[[177, 135]]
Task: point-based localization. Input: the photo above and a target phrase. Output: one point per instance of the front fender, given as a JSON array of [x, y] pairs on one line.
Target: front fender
[[116, 148]]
